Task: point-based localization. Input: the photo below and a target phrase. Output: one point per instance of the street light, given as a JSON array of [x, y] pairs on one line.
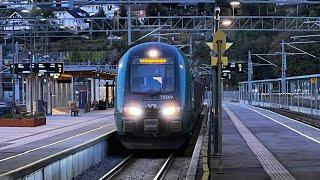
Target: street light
[[226, 22], [6, 37], [233, 4]]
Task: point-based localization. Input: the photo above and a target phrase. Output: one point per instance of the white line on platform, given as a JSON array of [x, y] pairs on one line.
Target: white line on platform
[[35, 149], [49, 133], [270, 164], [47, 158], [302, 134], [282, 116]]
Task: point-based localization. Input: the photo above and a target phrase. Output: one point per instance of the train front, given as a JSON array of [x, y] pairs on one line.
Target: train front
[[151, 98]]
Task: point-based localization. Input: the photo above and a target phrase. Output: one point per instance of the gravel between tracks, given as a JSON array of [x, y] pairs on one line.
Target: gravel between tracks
[[178, 169], [147, 164], [141, 168], [97, 171]]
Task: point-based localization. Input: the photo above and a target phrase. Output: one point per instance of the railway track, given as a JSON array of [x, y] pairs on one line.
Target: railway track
[[134, 167]]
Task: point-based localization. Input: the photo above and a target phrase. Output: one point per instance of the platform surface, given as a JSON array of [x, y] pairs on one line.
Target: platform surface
[[260, 144], [20, 146]]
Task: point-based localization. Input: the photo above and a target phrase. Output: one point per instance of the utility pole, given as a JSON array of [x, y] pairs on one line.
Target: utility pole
[[283, 72], [215, 94], [159, 27], [1, 71], [250, 75], [14, 53], [190, 45], [129, 25], [219, 45], [16, 83], [219, 99]]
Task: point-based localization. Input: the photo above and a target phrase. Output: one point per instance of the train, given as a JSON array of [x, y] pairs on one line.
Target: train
[[157, 98]]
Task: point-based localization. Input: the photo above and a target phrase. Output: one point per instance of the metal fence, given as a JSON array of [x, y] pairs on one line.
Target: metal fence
[[302, 94], [230, 96]]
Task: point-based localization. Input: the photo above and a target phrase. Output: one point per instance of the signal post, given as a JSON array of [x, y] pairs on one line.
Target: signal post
[[219, 46]]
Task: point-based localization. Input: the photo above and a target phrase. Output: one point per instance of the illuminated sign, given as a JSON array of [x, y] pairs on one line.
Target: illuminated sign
[[39, 68], [24, 68], [50, 67], [153, 61]]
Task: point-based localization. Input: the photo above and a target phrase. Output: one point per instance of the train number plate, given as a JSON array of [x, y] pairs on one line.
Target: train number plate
[[151, 125]]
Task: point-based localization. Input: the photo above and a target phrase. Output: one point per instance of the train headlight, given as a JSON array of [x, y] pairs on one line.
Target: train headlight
[[133, 111], [153, 53], [170, 110]]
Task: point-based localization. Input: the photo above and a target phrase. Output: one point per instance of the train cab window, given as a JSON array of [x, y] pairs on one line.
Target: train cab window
[[151, 78]]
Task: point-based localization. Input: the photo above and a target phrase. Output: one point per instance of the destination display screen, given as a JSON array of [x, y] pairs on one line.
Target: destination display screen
[[50, 68], [43, 68], [24, 68], [152, 61]]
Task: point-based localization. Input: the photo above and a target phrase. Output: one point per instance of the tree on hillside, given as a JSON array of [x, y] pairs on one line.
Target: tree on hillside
[[123, 11], [100, 13], [35, 11]]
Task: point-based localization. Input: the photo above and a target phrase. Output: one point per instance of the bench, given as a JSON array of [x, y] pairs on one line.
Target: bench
[[21, 109], [94, 105], [74, 109]]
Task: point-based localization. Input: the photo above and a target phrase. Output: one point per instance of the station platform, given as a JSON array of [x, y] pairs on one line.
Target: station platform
[[21, 146], [260, 144]]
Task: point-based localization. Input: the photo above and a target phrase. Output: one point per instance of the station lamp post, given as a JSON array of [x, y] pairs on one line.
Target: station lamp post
[[233, 4]]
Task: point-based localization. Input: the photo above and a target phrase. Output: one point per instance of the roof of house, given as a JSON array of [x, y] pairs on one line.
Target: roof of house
[[73, 12], [18, 14]]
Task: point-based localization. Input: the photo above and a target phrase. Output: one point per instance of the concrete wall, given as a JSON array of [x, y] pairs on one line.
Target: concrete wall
[[72, 165]]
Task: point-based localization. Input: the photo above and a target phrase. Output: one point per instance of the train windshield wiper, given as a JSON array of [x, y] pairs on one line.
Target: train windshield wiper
[[164, 81]]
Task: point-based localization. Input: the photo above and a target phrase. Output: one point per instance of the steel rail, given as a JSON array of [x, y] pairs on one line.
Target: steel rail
[[114, 171], [165, 167], [129, 159]]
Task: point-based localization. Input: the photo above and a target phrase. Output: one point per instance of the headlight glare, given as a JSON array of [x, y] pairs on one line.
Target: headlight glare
[[133, 111], [170, 110]]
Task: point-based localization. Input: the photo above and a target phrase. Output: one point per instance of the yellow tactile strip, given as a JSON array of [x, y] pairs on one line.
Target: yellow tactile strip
[[269, 163], [205, 154]]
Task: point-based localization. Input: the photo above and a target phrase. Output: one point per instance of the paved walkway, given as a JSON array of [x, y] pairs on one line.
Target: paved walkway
[[22, 146], [260, 144], [55, 124]]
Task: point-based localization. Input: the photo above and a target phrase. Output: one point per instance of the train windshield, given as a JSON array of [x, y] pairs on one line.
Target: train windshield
[[152, 78]]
